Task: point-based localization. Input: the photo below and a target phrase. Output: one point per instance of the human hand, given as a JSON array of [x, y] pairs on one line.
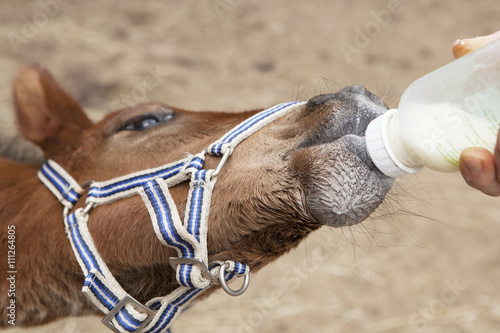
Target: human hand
[[480, 168], [463, 46]]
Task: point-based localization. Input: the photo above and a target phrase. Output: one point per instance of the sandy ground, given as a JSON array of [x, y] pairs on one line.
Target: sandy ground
[[427, 261]]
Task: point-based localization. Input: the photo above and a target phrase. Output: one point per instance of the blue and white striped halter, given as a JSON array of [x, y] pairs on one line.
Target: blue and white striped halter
[[193, 271]]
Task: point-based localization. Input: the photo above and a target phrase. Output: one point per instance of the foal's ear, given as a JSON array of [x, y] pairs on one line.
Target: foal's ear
[[47, 115]]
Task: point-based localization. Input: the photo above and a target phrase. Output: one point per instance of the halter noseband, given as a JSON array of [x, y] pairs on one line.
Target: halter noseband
[[189, 239]]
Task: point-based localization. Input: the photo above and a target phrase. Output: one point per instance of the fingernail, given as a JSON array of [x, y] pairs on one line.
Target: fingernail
[[473, 165]]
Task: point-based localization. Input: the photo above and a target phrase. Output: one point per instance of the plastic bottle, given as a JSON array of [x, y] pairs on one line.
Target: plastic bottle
[[439, 115]]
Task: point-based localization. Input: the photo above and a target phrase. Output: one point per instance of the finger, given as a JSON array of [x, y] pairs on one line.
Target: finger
[[464, 46], [496, 156], [478, 168]]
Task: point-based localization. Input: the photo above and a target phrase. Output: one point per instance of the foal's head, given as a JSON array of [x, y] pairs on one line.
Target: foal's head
[[306, 169]]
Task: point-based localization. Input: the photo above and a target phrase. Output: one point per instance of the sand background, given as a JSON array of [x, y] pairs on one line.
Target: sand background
[[427, 261]]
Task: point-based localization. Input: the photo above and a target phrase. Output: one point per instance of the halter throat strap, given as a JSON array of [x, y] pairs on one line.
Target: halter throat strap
[[189, 237]]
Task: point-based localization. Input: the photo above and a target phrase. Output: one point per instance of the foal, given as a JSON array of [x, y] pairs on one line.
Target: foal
[[306, 169]]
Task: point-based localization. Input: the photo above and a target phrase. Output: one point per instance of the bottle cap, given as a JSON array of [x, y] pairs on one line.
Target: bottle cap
[[380, 151]]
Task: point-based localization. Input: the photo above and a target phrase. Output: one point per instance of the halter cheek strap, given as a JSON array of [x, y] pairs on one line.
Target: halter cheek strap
[[189, 237], [60, 183]]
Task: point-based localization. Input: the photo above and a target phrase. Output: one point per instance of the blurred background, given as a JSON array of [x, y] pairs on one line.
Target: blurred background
[[426, 261]]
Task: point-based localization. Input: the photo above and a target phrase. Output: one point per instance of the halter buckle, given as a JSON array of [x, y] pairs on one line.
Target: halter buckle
[[137, 306]]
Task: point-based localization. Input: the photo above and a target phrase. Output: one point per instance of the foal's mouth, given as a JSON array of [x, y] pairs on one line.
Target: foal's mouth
[[341, 183]]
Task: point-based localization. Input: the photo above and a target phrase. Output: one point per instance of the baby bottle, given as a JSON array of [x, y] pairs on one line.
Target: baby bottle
[[452, 108]]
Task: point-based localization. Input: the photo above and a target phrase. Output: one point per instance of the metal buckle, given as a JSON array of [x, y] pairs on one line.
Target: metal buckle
[[224, 285], [137, 306], [174, 261]]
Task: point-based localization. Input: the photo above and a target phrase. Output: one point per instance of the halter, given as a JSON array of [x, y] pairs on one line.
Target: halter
[[189, 238]]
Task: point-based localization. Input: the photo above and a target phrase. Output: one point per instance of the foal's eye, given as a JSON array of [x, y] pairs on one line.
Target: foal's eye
[[145, 121]]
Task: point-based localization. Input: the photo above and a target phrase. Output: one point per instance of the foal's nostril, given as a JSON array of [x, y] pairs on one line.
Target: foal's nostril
[[348, 93], [348, 111], [319, 100]]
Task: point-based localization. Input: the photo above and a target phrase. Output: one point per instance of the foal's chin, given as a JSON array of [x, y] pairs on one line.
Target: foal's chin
[[341, 189]]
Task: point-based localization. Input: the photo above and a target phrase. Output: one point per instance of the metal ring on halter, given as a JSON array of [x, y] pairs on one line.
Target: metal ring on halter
[[87, 208], [223, 160], [226, 288], [65, 212]]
